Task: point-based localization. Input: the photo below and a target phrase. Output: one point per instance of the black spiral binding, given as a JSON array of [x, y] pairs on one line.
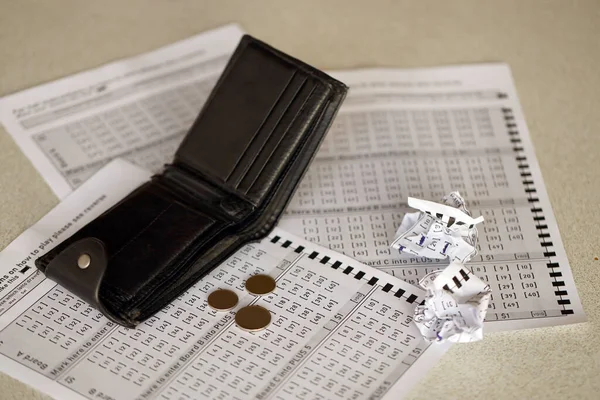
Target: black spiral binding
[[538, 216], [348, 270]]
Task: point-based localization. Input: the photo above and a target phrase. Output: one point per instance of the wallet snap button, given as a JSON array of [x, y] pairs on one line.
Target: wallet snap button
[[84, 261]]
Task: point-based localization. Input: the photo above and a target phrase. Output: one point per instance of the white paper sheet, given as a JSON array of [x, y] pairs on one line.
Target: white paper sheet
[[423, 133], [138, 109], [339, 328], [400, 133]]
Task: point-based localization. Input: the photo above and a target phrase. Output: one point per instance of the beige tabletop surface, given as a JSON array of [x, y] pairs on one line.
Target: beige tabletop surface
[[553, 48]]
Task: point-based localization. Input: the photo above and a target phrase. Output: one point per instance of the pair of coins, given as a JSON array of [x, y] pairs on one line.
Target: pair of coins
[[249, 318], [225, 300]]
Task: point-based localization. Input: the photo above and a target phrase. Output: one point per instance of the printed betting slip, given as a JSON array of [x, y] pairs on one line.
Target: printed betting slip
[[425, 133], [421, 133], [338, 328]]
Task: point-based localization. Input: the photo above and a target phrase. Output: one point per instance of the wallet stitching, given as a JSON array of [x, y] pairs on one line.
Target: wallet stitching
[[141, 232]]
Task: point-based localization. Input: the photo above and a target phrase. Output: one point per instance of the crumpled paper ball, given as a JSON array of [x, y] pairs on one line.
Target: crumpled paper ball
[[438, 231], [455, 306], [456, 301]]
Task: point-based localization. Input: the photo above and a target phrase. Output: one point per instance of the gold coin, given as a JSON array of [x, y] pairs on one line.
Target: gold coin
[[222, 300], [260, 284], [253, 318]]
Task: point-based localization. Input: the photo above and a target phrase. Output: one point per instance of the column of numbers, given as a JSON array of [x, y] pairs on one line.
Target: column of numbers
[[518, 290], [59, 323], [359, 355]]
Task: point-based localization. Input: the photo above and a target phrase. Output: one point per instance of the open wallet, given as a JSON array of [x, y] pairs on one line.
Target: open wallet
[[228, 184]]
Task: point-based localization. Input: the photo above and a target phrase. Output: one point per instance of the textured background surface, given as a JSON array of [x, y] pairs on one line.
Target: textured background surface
[[553, 48]]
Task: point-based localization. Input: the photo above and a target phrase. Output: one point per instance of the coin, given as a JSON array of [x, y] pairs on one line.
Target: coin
[[222, 299], [260, 284], [253, 318]]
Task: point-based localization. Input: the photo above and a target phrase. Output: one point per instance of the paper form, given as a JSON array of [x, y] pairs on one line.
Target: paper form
[[339, 328], [423, 133], [420, 133], [138, 109]]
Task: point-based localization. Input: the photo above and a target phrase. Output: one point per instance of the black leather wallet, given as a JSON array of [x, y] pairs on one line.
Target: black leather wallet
[[228, 184]]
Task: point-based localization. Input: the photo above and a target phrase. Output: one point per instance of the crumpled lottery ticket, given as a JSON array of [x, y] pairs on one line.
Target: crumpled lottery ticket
[[455, 305], [438, 231], [456, 301]]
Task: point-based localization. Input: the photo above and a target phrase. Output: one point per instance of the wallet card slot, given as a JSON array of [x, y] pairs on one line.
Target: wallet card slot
[[237, 108], [276, 155], [267, 130]]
